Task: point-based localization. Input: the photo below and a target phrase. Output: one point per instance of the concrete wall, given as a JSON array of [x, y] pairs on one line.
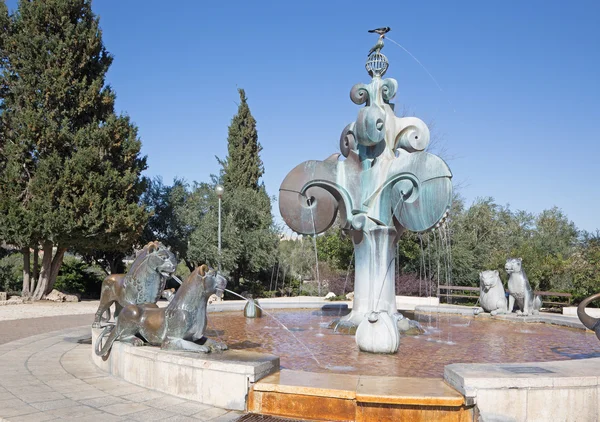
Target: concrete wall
[[572, 311], [221, 380], [529, 392], [405, 303]]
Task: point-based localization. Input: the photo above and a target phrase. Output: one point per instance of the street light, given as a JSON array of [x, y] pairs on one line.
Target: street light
[[219, 189]]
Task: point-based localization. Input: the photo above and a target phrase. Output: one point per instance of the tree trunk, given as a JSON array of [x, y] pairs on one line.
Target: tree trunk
[[56, 264], [35, 270], [191, 265], [102, 265], [50, 267], [116, 263], [26, 272]]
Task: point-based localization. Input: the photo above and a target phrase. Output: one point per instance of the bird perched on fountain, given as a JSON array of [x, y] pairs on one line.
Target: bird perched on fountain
[[381, 31]]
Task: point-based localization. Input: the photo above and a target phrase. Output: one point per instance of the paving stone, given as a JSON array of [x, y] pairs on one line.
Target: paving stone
[[151, 415], [188, 409], [89, 374], [33, 417], [11, 402], [54, 384], [165, 401], [144, 396], [181, 418], [102, 417], [37, 397], [230, 416], [124, 408], [79, 411], [56, 379], [208, 414], [102, 401], [5, 395], [11, 411], [54, 404], [126, 390], [100, 380], [86, 394]]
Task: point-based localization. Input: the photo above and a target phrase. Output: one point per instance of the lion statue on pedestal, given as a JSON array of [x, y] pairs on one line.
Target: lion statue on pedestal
[[492, 296], [175, 327], [143, 283], [520, 290]]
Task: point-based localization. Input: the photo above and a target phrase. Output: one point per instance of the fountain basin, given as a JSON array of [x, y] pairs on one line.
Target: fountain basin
[[449, 339], [481, 383]]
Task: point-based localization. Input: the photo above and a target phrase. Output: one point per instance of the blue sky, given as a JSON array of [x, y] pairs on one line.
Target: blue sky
[[517, 114]]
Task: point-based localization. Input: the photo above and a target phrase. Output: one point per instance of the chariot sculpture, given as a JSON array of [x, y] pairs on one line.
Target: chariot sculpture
[[381, 184]]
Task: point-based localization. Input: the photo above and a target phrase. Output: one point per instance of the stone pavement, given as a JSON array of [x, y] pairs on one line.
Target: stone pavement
[[51, 376], [12, 330]]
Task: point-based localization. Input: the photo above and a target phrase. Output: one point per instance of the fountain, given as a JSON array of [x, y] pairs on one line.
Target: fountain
[[386, 183], [381, 184]]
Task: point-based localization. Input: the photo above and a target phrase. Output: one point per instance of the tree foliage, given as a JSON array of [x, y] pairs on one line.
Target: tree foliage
[[482, 236], [243, 167], [70, 166], [168, 221], [246, 205], [187, 218]]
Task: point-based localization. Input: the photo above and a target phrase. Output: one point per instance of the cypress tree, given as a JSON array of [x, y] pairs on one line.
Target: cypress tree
[[243, 167], [245, 201], [70, 166]]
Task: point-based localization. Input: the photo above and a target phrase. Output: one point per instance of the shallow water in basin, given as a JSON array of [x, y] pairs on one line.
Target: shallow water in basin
[[449, 339]]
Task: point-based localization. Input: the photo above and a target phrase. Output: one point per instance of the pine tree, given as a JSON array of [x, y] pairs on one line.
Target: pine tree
[[70, 167]]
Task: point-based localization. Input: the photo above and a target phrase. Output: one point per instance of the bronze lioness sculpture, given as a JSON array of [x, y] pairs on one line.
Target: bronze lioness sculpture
[[175, 327], [143, 283], [520, 290], [492, 297]]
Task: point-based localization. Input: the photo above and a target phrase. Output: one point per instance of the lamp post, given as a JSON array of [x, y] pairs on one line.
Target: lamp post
[[219, 189]]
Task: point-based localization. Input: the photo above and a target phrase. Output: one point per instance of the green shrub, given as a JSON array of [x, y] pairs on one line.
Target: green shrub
[[337, 298], [11, 274], [77, 277]]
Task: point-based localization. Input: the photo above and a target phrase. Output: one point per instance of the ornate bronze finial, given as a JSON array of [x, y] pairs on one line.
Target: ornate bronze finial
[[377, 64]]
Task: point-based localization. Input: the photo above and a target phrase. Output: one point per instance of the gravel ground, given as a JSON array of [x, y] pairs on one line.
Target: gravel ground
[[45, 308], [28, 319]]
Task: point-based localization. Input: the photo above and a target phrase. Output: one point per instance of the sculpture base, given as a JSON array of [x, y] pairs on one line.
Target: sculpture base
[[217, 379], [378, 333], [406, 327], [343, 327]]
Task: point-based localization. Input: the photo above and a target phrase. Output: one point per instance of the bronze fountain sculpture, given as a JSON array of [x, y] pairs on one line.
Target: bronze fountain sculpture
[[385, 183], [520, 290], [143, 283], [176, 327], [589, 321]]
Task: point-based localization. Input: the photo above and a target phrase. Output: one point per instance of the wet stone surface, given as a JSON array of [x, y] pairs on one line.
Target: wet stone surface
[[448, 339]]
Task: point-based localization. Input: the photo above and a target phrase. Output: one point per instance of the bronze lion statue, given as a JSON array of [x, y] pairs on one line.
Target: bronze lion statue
[[175, 327], [143, 283]]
